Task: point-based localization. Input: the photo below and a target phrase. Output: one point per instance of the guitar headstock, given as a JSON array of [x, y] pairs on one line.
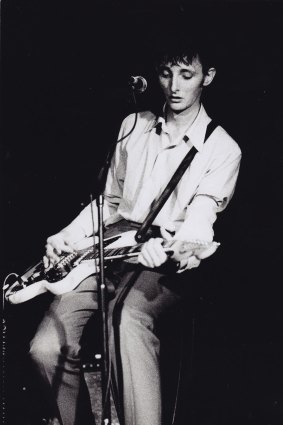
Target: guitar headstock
[[184, 249]]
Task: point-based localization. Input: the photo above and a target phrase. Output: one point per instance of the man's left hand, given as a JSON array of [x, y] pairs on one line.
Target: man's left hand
[[152, 253]]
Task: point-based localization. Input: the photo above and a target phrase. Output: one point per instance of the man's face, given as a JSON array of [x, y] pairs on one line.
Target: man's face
[[182, 84]]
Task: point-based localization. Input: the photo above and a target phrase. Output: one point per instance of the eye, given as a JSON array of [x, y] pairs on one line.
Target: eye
[[164, 73], [187, 76]]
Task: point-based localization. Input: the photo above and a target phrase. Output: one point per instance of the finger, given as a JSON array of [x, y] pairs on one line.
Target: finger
[[68, 247], [149, 254], [145, 259], [59, 244], [46, 262], [144, 262], [51, 254], [145, 256], [53, 246], [157, 252], [153, 254]]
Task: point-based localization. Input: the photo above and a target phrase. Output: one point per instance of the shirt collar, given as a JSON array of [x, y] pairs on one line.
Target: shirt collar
[[195, 134], [157, 122]]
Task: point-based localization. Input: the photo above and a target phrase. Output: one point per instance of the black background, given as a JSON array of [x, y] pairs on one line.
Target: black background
[[64, 93]]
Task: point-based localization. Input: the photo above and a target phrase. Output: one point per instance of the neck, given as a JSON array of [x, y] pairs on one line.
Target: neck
[[182, 119]]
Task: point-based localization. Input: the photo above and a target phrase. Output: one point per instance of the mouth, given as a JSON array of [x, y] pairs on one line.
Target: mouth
[[175, 99]]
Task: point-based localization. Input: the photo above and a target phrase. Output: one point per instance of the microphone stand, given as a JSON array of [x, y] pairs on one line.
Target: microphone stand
[[102, 288], [102, 292], [102, 299]]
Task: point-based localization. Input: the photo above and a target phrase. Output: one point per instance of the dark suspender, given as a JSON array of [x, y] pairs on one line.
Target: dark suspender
[[141, 233]]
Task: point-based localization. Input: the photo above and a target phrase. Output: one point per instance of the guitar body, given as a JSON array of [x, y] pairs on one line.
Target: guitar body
[[21, 292], [73, 268]]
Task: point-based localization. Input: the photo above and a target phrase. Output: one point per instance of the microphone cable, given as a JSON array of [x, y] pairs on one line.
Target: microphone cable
[[135, 121]]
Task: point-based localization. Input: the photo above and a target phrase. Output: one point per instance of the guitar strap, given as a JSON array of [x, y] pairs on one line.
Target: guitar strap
[[141, 233]]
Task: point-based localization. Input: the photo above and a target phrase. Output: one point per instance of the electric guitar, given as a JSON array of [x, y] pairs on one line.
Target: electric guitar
[[71, 269]]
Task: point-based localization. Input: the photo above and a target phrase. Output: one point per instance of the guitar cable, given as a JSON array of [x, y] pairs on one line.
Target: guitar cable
[[4, 353], [135, 121], [6, 286]]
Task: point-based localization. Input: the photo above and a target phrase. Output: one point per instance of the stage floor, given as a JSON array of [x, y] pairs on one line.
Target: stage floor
[[93, 380]]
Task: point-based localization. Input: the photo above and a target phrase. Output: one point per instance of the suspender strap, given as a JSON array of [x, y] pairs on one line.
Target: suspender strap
[[141, 233]]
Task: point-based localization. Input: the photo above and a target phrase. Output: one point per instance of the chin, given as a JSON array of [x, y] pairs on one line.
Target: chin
[[177, 108]]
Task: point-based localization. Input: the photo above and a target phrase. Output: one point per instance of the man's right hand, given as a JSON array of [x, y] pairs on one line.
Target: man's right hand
[[55, 246]]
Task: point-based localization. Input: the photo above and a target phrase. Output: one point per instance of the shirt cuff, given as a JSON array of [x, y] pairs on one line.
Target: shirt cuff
[[198, 224]]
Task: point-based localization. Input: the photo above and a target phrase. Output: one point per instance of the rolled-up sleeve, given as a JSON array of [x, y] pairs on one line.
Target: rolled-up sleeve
[[213, 194]]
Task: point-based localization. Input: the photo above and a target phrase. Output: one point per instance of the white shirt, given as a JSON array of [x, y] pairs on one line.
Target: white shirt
[[145, 161]]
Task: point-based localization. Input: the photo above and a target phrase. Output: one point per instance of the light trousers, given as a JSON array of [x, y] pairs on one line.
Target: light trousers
[[142, 298]]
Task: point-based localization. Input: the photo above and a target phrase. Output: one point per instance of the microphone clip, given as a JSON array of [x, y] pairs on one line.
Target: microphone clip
[[138, 83]]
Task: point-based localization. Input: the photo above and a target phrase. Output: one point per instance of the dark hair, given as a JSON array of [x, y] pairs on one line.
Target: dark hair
[[184, 46]]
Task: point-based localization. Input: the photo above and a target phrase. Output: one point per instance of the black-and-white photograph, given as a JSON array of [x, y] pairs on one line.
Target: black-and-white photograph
[[141, 225]]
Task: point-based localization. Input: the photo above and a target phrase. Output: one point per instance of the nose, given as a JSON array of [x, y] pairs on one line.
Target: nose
[[174, 83]]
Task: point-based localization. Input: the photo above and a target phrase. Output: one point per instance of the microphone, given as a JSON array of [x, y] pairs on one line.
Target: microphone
[[138, 83]]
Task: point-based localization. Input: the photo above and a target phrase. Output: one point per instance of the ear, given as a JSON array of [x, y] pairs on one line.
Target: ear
[[209, 76]]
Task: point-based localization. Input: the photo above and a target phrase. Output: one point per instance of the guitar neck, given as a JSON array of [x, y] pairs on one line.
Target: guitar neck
[[176, 249], [114, 253], [118, 253]]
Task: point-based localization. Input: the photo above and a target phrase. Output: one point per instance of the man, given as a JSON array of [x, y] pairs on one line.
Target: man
[[142, 165]]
